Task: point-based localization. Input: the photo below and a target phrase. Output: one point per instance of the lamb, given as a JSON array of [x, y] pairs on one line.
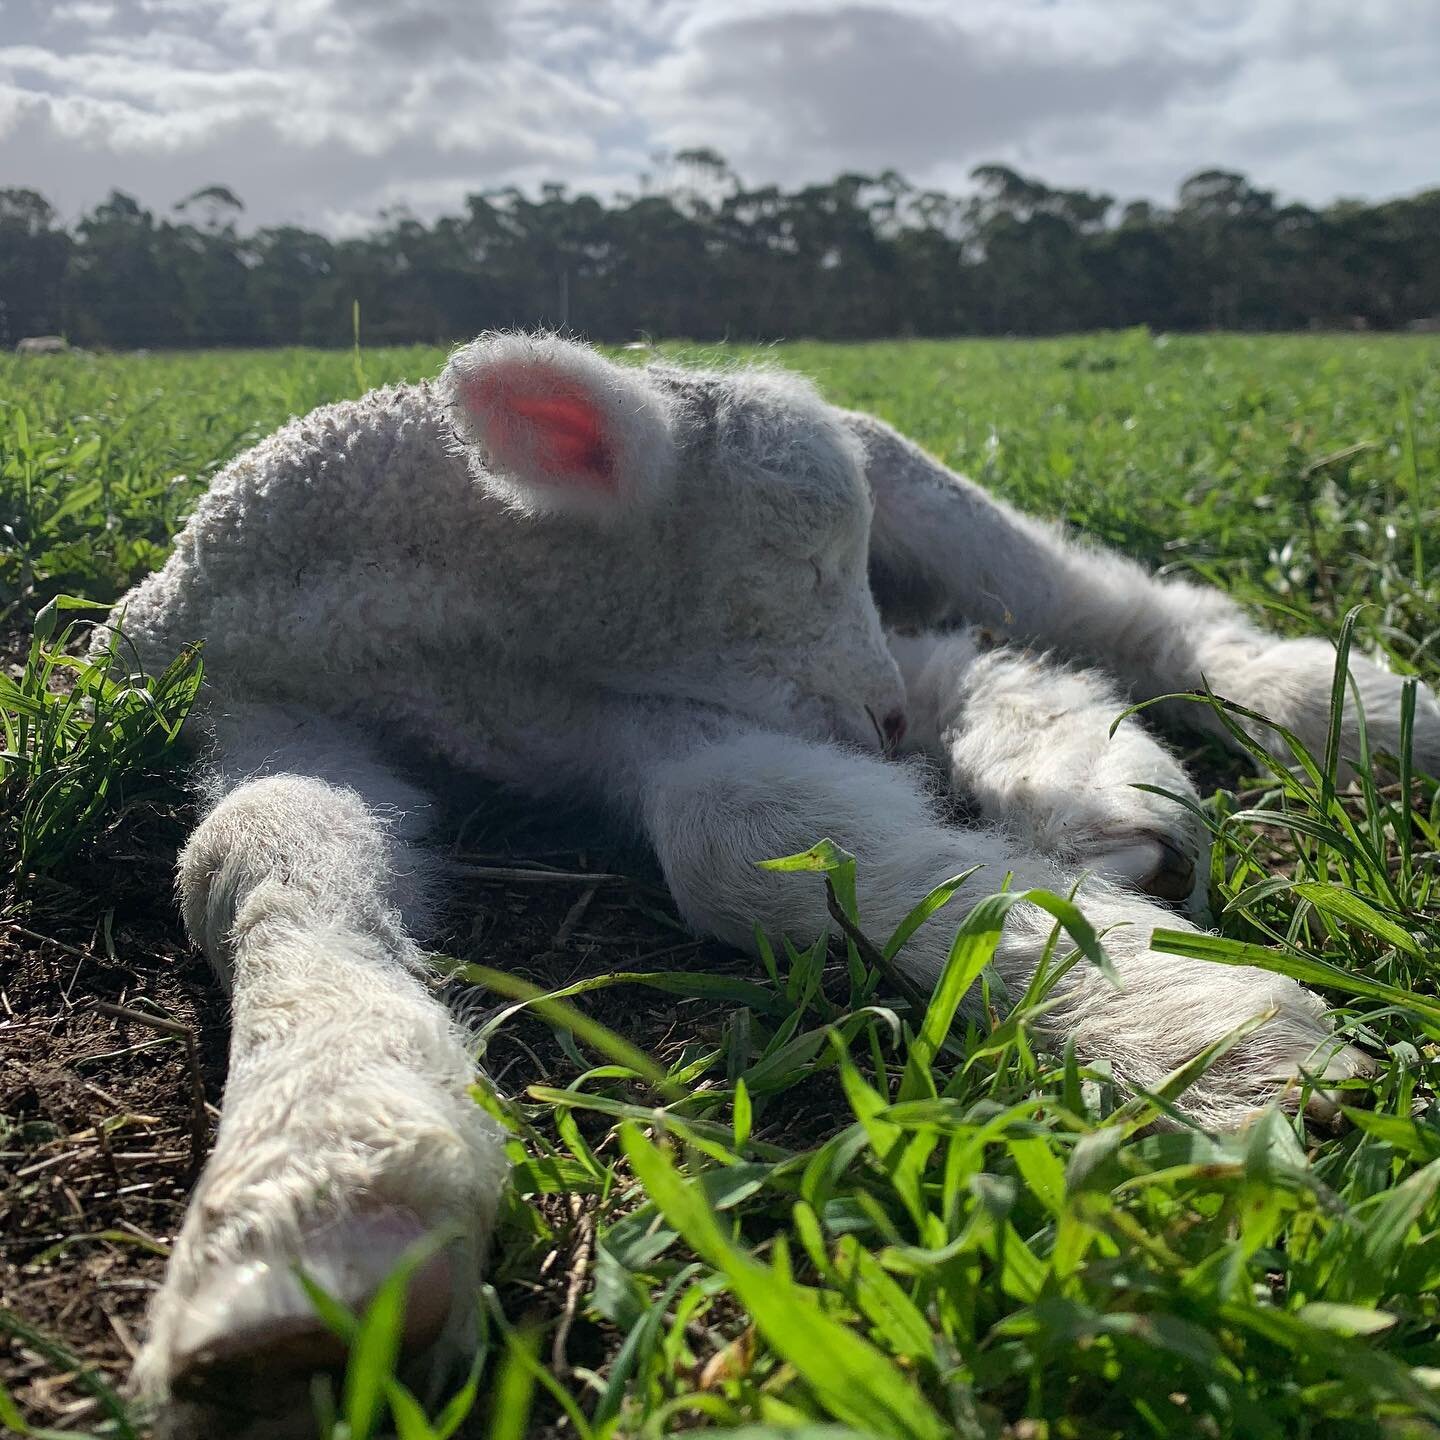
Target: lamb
[[42, 345], [718, 606]]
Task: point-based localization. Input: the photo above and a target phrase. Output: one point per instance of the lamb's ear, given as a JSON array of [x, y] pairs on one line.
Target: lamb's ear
[[560, 429]]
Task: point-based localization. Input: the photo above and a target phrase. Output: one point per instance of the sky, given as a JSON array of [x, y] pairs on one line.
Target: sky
[[326, 112]]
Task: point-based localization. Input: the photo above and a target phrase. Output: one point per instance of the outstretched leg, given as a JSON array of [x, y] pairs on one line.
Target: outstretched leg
[[347, 1132], [715, 803], [1028, 743], [944, 552]]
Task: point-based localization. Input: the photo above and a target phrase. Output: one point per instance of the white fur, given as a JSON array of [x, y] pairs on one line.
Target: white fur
[[348, 1129], [700, 647], [1028, 742]]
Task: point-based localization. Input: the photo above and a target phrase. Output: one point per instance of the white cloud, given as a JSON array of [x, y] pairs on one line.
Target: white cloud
[[83, 12], [323, 111], [865, 85]]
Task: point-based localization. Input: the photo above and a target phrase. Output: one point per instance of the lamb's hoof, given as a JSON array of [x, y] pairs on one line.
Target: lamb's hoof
[[236, 1355], [255, 1315], [1153, 864], [1323, 1106]]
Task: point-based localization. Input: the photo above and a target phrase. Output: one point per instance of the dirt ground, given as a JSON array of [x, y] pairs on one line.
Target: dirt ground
[[104, 1118]]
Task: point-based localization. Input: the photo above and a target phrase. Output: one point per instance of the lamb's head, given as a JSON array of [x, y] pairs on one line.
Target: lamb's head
[[718, 521]]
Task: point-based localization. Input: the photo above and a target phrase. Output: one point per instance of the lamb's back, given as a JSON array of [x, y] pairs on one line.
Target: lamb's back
[[318, 549]]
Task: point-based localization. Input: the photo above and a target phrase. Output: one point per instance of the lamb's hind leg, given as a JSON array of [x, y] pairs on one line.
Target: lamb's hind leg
[[347, 1132], [1029, 742], [944, 552]]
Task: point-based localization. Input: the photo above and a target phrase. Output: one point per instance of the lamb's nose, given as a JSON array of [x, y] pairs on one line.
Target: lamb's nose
[[893, 726]]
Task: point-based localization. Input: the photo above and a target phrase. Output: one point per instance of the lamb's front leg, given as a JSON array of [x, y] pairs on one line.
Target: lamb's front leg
[[347, 1132], [1028, 742], [715, 806]]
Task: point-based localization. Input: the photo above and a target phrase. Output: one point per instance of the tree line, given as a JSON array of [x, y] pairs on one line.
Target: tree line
[[699, 254]]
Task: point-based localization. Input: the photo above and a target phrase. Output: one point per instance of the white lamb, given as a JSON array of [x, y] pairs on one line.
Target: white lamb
[[42, 345], [664, 589]]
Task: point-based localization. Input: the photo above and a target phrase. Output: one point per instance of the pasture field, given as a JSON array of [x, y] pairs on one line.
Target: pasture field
[[774, 1198]]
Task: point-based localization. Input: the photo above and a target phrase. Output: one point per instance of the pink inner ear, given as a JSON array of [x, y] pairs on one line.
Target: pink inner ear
[[569, 435], [556, 436]]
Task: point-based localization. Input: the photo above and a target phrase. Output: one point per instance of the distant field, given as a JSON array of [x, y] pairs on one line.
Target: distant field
[[1197, 451], [857, 1254]]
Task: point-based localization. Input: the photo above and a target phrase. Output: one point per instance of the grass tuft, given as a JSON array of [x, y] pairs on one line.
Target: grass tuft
[[82, 737]]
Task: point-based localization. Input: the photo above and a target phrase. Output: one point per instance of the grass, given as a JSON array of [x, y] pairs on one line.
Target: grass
[[821, 1207], [81, 736]]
